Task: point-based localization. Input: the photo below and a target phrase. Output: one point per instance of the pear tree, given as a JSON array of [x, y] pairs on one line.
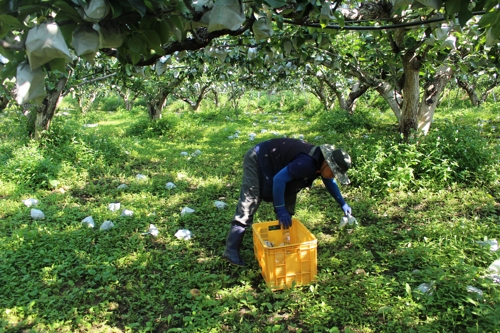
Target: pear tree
[[140, 33]]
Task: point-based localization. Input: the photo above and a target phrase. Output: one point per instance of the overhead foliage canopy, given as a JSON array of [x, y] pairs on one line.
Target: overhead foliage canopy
[[139, 32]]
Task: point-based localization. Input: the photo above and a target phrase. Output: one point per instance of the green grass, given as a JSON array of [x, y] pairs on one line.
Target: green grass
[[422, 207]]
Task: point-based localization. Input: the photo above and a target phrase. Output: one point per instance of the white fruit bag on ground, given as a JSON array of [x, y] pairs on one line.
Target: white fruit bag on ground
[[30, 202], [153, 231], [30, 84], [494, 271], [89, 221], [37, 214], [44, 43], [187, 210], [220, 204], [127, 212], [107, 225], [114, 206], [184, 234]]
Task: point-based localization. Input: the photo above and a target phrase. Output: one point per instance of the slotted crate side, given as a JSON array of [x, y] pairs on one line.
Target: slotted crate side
[[283, 265]]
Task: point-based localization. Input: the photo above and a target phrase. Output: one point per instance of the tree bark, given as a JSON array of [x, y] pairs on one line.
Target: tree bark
[[430, 99], [471, 92], [392, 97], [411, 93], [45, 112], [348, 104], [156, 105], [322, 95], [216, 97], [4, 101], [388, 92]]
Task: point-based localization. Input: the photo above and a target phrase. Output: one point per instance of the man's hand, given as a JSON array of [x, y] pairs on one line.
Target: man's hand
[[347, 210], [284, 217]]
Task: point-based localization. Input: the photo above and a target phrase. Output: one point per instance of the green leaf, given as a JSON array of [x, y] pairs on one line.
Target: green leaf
[[30, 10], [135, 44], [68, 10], [154, 41], [275, 3], [163, 30], [384, 309], [340, 19], [436, 4], [452, 7], [58, 64], [134, 57], [139, 5], [408, 289], [400, 3], [147, 23], [489, 19], [279, 22], [490, 4], [177, 27], [7, 24], [9, 71], [464, 16], [116, 9], [181, 8]]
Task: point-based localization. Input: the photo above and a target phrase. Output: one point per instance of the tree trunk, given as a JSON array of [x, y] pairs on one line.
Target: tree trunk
[[4, 101], [216, 97], [349, 104], [411, 93], [197, 104], [155, 106], [322, 95], [490, 88], [45, 112], [471, 91], [128, 98], [392, 98], [86, 102], [385, 89], [6, 97], [430, 100]]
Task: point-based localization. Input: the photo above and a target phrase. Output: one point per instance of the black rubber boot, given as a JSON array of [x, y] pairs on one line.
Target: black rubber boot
[[233, 244]]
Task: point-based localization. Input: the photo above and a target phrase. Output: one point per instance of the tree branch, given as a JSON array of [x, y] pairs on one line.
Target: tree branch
[[12, 46], [189, 44]]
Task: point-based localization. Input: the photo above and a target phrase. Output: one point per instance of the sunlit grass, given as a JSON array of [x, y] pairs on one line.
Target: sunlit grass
[[61, 276]]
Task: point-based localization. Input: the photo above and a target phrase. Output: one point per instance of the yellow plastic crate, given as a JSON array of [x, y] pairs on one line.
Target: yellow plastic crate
[[285, 262]]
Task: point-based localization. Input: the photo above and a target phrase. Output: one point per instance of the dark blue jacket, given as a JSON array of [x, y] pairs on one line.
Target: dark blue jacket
[[275, 154]]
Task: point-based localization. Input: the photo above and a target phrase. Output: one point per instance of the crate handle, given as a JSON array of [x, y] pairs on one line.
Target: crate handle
[[274, 227]]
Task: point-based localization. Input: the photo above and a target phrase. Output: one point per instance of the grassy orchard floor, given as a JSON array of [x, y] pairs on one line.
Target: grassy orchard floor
[[58, 276]]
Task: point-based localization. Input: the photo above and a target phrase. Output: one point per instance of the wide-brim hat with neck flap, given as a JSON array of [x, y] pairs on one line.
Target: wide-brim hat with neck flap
[[338, 160]]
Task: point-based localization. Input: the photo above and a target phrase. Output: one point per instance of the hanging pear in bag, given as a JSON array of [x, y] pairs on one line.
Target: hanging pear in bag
[[85, 42], [226, 14], [262, 27], [110, 35], [30, 84], [94, 11], [44, 43]]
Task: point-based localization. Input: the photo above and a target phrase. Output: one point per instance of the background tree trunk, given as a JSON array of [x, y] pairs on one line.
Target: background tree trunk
[[411, 94], [431, 96], [156, 105], [471, 92], [4, 101]]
